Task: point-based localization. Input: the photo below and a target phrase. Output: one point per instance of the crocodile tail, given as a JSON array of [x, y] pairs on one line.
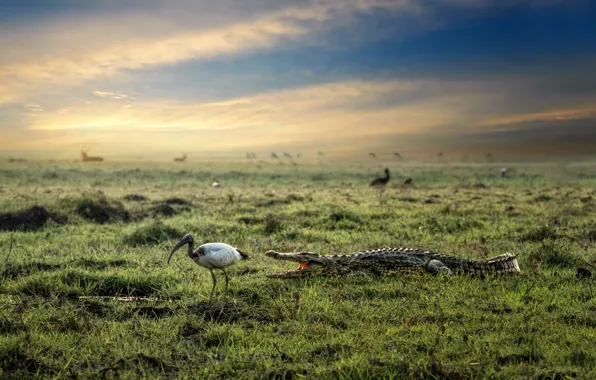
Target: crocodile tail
[[502, 264], [506, 263]]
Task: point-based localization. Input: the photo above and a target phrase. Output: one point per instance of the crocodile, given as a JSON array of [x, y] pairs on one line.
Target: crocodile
[[387, 260]]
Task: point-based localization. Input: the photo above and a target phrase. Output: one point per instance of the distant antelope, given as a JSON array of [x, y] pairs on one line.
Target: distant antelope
[[180, 159], [85, 157]]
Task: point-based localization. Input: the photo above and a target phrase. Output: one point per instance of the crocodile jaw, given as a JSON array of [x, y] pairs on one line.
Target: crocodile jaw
[[303, 259]]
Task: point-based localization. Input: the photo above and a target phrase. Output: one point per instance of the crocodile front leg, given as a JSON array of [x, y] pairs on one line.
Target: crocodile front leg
[[437, 267]]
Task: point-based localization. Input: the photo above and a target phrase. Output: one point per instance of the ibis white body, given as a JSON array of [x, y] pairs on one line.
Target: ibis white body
[[216, 255], [211, 256]]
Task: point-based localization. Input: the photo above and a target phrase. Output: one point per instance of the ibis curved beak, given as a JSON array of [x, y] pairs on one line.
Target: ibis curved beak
[[177, 247]]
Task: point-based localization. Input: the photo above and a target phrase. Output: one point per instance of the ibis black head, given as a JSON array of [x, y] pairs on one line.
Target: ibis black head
[[387, 171], [186, 239]]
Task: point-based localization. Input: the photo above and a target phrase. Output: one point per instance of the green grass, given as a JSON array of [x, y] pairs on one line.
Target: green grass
[[65, 287]]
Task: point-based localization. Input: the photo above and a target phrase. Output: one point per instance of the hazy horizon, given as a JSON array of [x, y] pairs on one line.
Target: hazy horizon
[[152, 79]]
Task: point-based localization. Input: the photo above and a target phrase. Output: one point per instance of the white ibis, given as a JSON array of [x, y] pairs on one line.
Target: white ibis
[[381, 181], [211, 256]]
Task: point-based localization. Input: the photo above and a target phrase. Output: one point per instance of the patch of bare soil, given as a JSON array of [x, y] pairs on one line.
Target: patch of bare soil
[[164, 209], [177, 201], [135, 197], [102, 211], [171, 206], [30, 219]]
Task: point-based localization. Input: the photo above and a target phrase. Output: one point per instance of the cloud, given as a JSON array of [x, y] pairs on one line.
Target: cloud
[[112, 95], [110, 43], [33, 107], [514, 121]]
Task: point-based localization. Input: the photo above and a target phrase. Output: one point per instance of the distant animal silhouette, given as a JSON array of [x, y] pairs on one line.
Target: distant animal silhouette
[[372, 155], [381, 181], [216, 184], [274, 156], [86, 157], [503, 172], [288, 155], [396, 154], [180, 159], [408, 181]]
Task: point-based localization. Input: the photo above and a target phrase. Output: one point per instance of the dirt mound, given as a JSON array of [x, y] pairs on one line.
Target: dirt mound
[[164, 209], [171, 207], [102, 211], [30, 219], [135, 197], [177, 201]]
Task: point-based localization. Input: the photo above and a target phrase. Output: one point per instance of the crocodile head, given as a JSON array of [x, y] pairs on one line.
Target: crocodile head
[[310, 264]]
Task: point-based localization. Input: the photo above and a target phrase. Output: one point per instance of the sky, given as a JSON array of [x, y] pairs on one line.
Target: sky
[[157, 78]]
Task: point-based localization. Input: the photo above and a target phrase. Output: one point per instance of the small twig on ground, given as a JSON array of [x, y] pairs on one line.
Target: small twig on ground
[[10, 248]]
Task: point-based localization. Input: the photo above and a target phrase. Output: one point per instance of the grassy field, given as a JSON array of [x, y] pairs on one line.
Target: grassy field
[[85, 292]]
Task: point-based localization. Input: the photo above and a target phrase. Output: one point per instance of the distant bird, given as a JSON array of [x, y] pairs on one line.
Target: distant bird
[[503, 172], [321, 153], [381, 181], [373, 155], [216, 184], [211, 256], [408, 181], [274, 156], [396, 154], [288, 155]]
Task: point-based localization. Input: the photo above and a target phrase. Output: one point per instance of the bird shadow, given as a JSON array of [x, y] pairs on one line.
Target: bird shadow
[[228, 311]]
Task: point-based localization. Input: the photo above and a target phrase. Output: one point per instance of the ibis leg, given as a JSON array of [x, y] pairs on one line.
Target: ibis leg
[[214, 282], [227, 281]]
